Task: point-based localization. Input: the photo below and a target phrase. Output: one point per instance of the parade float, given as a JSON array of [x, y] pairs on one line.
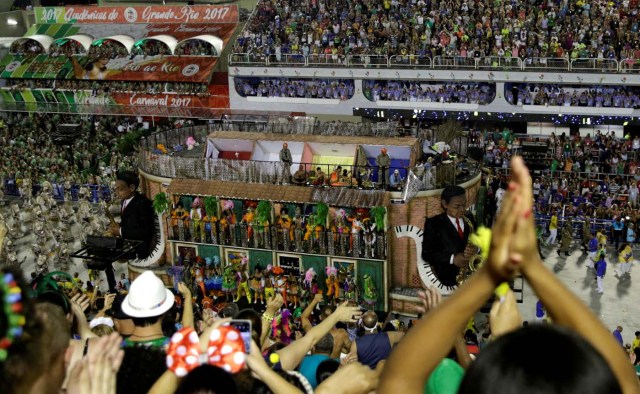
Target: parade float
[[328, 219]]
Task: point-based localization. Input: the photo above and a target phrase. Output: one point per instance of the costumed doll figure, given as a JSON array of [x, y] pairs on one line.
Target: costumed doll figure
[[198, 275], [356, 228], [247, 219], [370, 292], [314, 289], [214, 282], [223, 235], [229, 282], [317, 234], [369, 237], [257, 285], [308, 232], [243, 280], [306, 284], [196, 214], [285, 224], [178, 216], [280, 283], [228, 206], [349, 287], [210, 229], [269, 291], [293, 290], [333, 286]]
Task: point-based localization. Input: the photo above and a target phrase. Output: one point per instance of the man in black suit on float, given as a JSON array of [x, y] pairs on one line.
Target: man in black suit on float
[[444, 245], [136, 219]]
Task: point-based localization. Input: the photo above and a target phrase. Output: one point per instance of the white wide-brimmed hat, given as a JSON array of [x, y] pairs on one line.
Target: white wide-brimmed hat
[[147, 297]]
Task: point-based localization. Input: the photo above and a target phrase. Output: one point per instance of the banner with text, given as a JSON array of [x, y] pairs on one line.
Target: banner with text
[[151, 68], [180, 31], [87, 97], [138, 14]]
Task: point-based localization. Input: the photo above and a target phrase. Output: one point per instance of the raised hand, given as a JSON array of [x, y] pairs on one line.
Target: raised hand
[[348, 314], [430, 298], [504, 315]]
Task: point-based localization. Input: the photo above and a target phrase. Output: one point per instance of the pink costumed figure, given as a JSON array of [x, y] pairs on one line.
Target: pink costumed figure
[[308, 277], [191, 142]]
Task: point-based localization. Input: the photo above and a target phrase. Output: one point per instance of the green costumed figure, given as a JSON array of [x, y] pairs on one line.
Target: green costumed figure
[[229, 281], [370, 291]]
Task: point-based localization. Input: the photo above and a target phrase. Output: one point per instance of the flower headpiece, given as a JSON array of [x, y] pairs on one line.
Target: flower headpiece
[[225, 350], [12, 304]]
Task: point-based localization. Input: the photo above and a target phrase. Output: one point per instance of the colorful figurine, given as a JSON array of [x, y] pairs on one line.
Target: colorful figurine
[[229, 282], [268, 286], [370, 291], [293, 290], [280, 284], [333, 286], [257, 285]]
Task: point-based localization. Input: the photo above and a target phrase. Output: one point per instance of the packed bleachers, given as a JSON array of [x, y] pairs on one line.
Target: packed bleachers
[[573, 96], [342, 89], [467, 93], [196, 48], [411, 32]]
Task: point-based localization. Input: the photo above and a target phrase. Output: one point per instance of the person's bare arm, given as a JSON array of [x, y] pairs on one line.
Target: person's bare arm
[[414, 358], [429, 299], [273, 306], [462, 353], [187, 303], [351, 379], [305, 318], [344, 339], [167, 383], [292, 355], [79, 303], [108, 302], [260, 370], [564, 307], [394, 337]]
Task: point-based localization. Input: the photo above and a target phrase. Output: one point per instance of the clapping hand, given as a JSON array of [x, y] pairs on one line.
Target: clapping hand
[[430, 298]]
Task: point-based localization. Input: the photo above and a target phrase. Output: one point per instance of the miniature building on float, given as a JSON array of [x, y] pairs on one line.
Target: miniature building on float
[[328, 216]]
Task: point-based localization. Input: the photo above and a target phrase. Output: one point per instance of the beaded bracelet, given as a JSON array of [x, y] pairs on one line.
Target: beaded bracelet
[[12, 305]]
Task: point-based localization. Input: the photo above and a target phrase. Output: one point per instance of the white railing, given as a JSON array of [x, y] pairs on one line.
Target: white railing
[[546, 64], [500, 63], [595, 65]]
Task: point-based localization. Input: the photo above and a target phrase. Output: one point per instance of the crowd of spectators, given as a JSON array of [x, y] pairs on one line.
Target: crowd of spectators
[[179, 340], [596, 177], [26, 48], [196, 48], [107, 49], [98, 87], [576, 96], [31, 149], [66, 48], [467, 93], [563, 29], [150, 48], [342, 89]]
